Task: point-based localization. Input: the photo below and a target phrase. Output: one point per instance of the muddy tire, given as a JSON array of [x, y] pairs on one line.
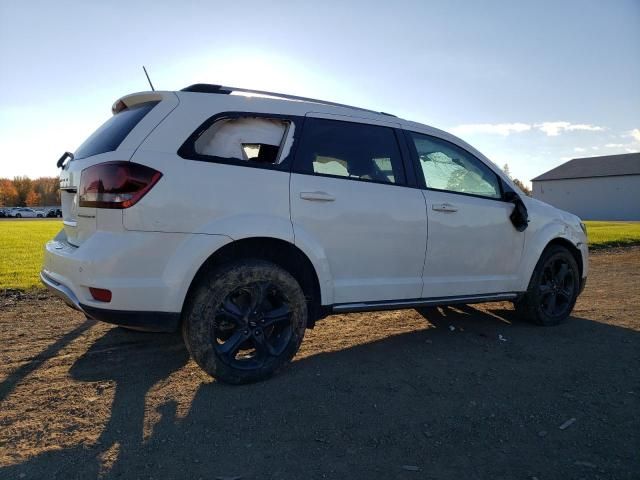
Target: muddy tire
[[245, 321], [553, 288]]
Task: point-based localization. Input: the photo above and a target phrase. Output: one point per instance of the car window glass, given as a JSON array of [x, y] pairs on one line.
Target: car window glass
[[448, 167], [352, 150], [245, 138], [110, 135]]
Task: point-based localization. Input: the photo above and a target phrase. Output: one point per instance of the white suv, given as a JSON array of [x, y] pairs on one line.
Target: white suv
[[244, 217]]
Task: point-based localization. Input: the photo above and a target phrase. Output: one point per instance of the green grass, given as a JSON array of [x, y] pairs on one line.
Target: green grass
[[22, 249], [613, 234], [22, 246]]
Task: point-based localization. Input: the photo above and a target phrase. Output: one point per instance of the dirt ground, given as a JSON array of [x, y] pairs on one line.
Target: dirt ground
[[393, 395]]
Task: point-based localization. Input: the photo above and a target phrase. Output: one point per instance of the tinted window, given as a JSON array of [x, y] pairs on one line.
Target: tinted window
[[110, 135], [353, 150], [448, 167]]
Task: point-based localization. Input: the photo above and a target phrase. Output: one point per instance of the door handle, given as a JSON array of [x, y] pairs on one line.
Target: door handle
[[444, 207], [317, 196]]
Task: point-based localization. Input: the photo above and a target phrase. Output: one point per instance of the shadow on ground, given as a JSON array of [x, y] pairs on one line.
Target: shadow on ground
[[453, 404]]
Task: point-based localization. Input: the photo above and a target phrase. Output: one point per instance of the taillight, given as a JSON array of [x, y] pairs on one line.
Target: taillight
[[115, 184]]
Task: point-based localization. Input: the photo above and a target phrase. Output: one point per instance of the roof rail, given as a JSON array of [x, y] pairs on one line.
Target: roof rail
[[225, 90]]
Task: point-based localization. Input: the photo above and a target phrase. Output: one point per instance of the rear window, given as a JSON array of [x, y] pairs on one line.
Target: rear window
[[110, 135]]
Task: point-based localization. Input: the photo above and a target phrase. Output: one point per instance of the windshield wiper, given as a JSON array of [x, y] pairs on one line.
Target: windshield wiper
[[64, 156]]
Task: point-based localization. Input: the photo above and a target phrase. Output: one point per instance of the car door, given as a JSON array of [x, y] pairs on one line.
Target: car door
[[349, 201], [472, 248]]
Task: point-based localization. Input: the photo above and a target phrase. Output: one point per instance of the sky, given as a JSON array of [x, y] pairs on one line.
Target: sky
[[531, 84]]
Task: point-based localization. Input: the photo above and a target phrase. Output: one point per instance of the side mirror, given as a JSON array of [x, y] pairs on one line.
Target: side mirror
[[510, 196], [519, 216]]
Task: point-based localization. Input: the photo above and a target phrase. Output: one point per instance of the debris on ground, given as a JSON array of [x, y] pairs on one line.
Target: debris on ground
[[567, 424], [452, 328], [501, 338], [411, 468]]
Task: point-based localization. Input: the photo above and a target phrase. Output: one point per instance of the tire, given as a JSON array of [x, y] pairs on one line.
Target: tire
[[553, 288], [245, 321], [18, 215], [39, 216]]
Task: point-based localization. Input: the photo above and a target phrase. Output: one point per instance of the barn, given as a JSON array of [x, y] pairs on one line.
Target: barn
[[594, 188]]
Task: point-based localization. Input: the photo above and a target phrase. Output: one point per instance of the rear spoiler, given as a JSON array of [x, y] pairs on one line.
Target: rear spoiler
[[133, 99]]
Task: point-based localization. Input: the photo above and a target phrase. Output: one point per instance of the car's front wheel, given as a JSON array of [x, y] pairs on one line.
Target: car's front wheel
[[244, 321], [553, 288], [18, 215]]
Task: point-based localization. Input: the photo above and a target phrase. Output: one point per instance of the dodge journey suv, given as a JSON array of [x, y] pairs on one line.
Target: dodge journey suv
[[243, 217]]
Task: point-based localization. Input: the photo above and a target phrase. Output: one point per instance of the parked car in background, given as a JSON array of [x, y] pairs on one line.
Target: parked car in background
[[244, 220], [24, 212], [3, 213], [54, 213]]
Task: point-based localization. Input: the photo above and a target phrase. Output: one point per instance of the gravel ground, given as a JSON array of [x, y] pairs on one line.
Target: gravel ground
[[459, 393]]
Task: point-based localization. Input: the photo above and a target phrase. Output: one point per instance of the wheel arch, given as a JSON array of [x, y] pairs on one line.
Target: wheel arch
[[281, 252], [543, 246], [573, 249]]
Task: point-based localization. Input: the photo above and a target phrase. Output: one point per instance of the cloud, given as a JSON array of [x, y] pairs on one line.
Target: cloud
[[553, 129], [503, 129], [631, 150], [595, 148], [635, 133], [614, 145], [579, 149]]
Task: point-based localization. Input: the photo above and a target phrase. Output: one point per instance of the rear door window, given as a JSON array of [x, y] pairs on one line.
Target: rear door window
[[356, 151], [110, 135]]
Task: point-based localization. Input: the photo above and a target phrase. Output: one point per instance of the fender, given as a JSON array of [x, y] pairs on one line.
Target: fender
[[239, 227], [535, 243], [185, 262]]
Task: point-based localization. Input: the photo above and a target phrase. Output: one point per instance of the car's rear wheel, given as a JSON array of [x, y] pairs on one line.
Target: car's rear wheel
[[553, 288], [245, 321], [18, 215]]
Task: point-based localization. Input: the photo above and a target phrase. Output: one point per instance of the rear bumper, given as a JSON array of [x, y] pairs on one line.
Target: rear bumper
[[60, 290], [151, 321], [148, 274]]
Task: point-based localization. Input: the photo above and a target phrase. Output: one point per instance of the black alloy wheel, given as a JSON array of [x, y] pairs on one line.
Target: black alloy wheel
[[252, 324], [557, 287]]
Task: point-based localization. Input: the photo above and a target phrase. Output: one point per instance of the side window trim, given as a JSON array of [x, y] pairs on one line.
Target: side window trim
[[400, 142], [420, 176], [187, 150], [412, 177]]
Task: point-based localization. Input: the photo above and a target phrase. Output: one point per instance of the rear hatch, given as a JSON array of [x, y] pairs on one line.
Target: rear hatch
[[134, 117]]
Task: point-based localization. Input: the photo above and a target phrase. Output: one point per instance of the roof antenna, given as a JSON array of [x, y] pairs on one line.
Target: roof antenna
[[145, 72]]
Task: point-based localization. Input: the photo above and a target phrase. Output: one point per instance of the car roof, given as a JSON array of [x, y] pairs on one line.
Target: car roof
[[294, 104], [279, 103]]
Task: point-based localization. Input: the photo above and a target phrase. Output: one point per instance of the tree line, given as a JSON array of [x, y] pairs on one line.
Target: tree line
[[526, 190], [25, 192]]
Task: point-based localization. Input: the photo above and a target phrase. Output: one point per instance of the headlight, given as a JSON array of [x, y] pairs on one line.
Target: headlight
[[583, 227]]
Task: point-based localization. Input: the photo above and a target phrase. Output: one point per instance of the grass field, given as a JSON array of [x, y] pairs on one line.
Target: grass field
[[613, 234], [21, 251], [22, 241]]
